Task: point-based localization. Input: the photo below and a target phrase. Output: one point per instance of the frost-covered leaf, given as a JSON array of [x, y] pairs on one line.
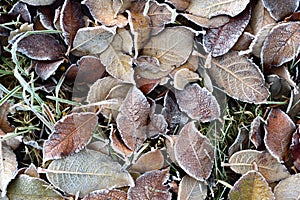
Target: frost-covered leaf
[[198, 103], [41, 47], [87, 171], [45, 69], [239, 77], [243, 161], [191, 189], [106, 195], [194, 152], [70, 135], [157, 126], [211, 8], [132, 119], [151, 186], [4, 123], [118, 145], [27, 187], [255, 134], [282, 44], [219, 41], [152, 160], [213, 22], [278, 134], [179, 4], [38, 2], [251, 185], [280, 9], [92, 40], [103, 11], [243, 42], [183, 77], [288, 189]]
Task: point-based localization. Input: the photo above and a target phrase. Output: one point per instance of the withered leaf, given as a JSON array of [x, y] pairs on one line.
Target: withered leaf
[[45, 69], [219, 41], [295, 148], [213, 22], [198, 103], [92, 40], [118, 145], [255, 134], [70, 135], [151, 186], [282, 44], [278, 134], [20, 8], [191, 189], [280, 9], [118, 64], [211, 8], [106, 194], [288, 188], [183, 77], [103, 11], [38, 2], [152, 160], [132, 119], [240, 142], [157, 126], [41, 47], [194, 152], [251, 185], [5, 126], [243, 161], [71, 19], [179, 4], [27, 187], [87, 171], [239, 77], [243, 42]]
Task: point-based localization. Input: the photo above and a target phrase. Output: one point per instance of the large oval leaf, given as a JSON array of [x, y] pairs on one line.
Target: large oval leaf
[[87, 171]]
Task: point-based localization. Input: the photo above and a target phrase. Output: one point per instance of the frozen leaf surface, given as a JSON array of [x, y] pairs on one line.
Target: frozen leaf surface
[[192, 189], [288, 189], [280, 9], [106, 195], [38, 2]]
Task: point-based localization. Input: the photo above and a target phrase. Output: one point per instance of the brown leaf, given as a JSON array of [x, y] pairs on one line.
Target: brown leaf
[[41, 47], [219, 41], [183, 77], [251, 185], [70, 135], [38, 2], [278, 134], [152, 160], [20, 8], [194, 152], [106, 194], [246, 160], [4, 123], [103, 11], [295, 148], [288, 188], [213, 22], [256, 133], [71, 19], [239, 77], [198, 103], [243, 42], [293, 17], [179, 4], [132, 119], [157, 126], [118, 145], [45, 69], [192, 189], [282, 44], [280, 9], [150, 186]]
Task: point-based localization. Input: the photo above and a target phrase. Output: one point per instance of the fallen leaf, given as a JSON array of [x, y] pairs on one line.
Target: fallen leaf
[[282, 44], [179, 4], [44, 69], [194, 152], [92, 40], [211, 8], [246, 160], [192, 189], [38, 2], [278, 87], [41, 47], [103, 11], [251, 185], [241, 141], [106, 195], [295, 148], [213, 22], [157, 126], [5, 126], [293, 17], [280, 9], [101, 146], [183, 77], [151, 186], [132, 119], [20, 8], [243, 42], [239, 77], [70, 135], [152, 160], [118, 64], [198, 103], [278, 134], [288, 188], [118, 145], [256, 134], [87, 171], [218, 41]]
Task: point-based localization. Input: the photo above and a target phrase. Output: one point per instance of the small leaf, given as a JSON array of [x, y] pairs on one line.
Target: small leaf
[[288, 188], [4, 123], [282, 44], [179, 4], [157, 126], [106, 195], [70, 135], [251, 185], [243, 161], [183, 77], [192, 189], [255, 134], [194, 152], [152, 160], [150, 186], [280, 9], [26, 187], [38, 2], [45, 69], [92, 40], [87, 171], [213, 22], [118, 145], [41, 47], [198, 103], [295, 148], [278, 134], [132, 119], [211, 8], [239, 77]]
